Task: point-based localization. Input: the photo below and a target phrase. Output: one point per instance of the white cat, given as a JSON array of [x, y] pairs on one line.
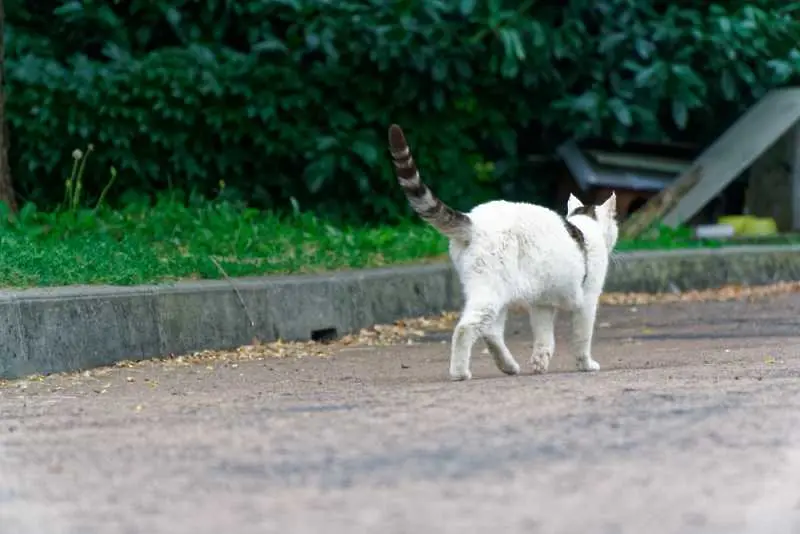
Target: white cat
[[511, 253]]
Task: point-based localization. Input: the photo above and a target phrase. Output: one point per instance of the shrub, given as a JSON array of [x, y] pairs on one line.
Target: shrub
[[290, 99]]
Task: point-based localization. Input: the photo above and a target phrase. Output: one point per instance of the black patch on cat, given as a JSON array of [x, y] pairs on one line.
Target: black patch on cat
[[577, 236], [588, 210]]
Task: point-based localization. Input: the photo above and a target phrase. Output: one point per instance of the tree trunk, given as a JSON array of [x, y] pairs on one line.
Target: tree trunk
[[6, 188], [769, 184]]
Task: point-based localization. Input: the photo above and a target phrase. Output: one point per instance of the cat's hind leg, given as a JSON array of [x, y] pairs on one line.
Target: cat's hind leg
[[496, 344], [583, 319], [543, 320], [477, 321]]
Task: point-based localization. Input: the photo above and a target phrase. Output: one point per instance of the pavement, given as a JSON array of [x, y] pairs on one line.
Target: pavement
[[691, 426]]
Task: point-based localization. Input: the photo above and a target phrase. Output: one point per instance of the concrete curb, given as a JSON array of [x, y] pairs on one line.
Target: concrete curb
[[79, 327], [681, 270]]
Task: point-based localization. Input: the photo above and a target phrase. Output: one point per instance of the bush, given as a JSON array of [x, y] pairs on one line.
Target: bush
[[290, 99]]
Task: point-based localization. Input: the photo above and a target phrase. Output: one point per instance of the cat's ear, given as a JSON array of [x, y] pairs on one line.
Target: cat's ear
[[610, 205], [573, 203]]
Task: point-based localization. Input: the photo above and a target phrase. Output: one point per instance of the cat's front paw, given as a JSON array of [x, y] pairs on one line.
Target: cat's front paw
[[510, 368], [588, 365], [458, 375]]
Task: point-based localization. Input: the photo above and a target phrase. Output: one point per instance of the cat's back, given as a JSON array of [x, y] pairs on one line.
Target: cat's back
[[505, 216], [521, 244]]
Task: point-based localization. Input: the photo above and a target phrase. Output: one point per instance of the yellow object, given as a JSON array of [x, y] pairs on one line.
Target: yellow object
[[736, 221], [760, 226], [748, 225]]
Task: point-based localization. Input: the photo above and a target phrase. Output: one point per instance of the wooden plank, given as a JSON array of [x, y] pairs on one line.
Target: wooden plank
[[658, 205], [720, 163], [736, 149]]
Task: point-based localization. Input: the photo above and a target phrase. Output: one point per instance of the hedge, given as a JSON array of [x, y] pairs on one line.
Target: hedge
[[289, 100]]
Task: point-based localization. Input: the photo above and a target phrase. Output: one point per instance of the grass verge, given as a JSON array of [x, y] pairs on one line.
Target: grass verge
[[175, 239], [192, 240]]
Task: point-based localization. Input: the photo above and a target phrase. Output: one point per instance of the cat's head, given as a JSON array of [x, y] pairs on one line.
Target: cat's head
[[605, 214]]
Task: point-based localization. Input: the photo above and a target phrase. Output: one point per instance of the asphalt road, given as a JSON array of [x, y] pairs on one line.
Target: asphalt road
[[690, 427]]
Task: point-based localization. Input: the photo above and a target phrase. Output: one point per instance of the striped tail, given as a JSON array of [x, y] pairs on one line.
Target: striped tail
[[452, 223]]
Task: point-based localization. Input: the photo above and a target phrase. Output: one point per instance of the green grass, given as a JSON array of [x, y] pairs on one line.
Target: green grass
[[665, 238], [173, 239], [176, 240]]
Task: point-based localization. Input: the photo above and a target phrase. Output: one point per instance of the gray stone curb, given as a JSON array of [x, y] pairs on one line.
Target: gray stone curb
[[80, 327]]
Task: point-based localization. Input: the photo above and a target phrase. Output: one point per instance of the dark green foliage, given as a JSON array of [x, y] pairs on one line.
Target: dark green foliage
[[290, 99], [677, 71]]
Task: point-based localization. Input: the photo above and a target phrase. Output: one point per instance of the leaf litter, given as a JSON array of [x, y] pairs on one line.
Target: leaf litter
[[405, 331], [725, 293]]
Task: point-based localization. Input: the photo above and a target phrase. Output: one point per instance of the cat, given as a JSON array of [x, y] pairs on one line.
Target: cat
[[517, 254]]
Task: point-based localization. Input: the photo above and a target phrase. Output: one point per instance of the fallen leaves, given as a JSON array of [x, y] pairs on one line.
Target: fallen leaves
[[725, 293]]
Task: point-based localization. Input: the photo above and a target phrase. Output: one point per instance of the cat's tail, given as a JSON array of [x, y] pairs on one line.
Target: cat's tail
[[450, 222]]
